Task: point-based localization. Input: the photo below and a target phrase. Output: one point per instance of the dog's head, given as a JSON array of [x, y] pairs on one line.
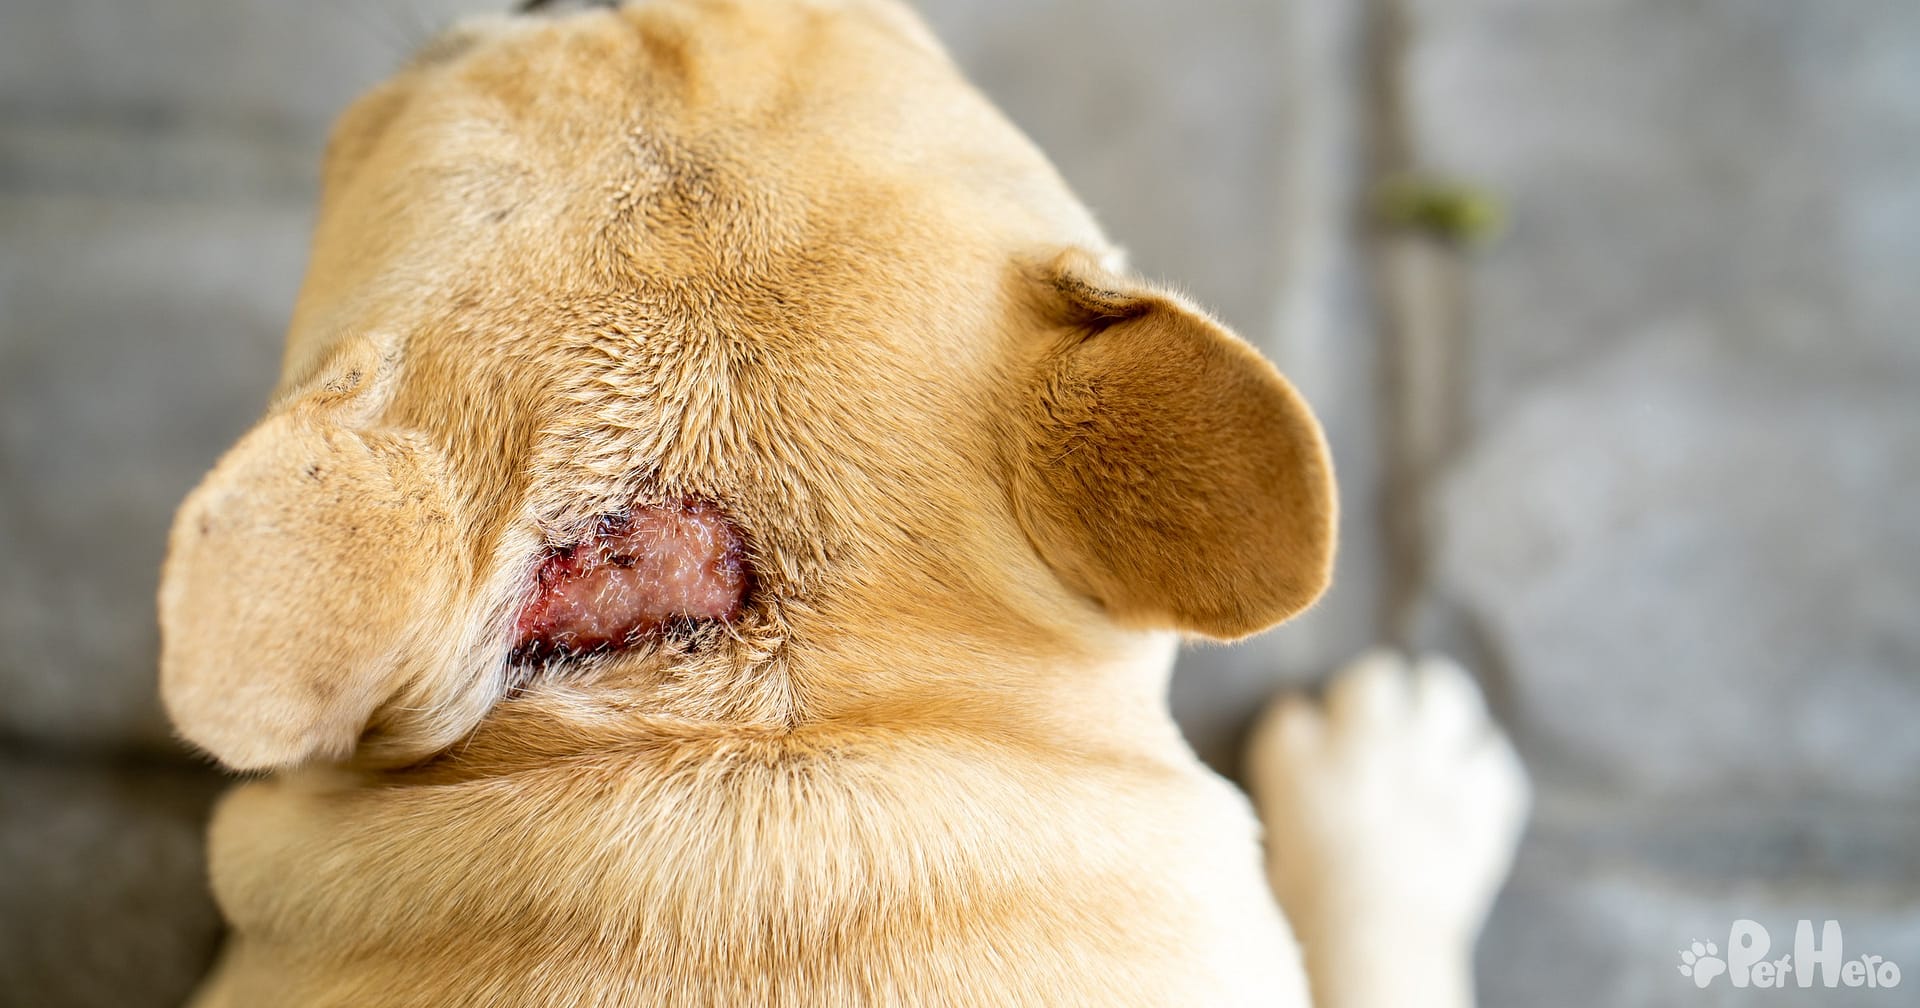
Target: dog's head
[[737, 356]]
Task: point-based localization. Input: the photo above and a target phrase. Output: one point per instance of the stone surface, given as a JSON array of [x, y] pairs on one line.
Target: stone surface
[[103, 899], [137, 339], [1744, 163], [1701, 567], [275, 67], [1603, 900], [1681, 526]]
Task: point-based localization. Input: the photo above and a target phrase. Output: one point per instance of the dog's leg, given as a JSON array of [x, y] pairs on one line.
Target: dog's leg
[[1391, 812]]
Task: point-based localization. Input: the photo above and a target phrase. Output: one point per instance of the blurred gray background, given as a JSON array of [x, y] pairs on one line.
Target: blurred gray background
[[1647, 459]]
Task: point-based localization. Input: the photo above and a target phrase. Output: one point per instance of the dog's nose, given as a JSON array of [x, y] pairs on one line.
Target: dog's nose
[[554, 6]]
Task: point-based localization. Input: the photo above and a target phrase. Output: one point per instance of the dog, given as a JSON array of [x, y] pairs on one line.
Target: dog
[[720, 538]]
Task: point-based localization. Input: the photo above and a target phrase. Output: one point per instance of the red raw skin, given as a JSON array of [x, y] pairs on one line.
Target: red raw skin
[[639, 572]]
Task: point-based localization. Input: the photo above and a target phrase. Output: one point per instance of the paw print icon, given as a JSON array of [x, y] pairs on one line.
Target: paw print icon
[[1702, 962]]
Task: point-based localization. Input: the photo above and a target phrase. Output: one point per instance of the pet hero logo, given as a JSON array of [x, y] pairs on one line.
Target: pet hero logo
[[1746, 963]]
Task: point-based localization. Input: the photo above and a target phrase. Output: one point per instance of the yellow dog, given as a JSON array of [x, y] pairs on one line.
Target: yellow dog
[[719, 539]]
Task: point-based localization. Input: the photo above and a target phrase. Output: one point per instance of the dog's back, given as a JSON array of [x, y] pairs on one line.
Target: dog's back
[[805, 870]]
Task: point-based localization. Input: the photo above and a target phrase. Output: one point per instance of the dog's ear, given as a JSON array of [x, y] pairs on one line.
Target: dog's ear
[[309, 586], [1168, 470]]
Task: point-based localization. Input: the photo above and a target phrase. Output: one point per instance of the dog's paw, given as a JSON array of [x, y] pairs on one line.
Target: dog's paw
[[1396, 799]]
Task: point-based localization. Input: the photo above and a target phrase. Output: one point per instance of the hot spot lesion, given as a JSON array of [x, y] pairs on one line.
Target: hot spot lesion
[[636, 574]]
